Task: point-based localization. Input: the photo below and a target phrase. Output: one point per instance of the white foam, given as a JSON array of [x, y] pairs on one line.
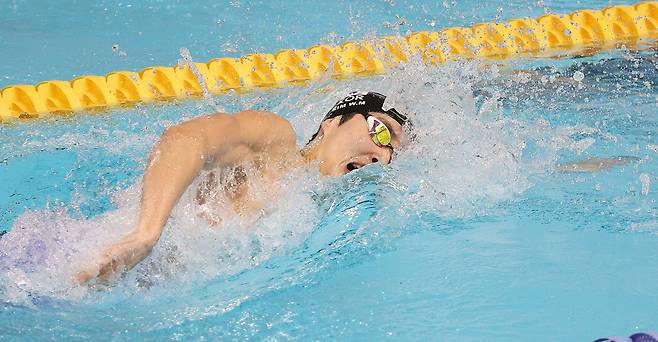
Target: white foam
[[466, 158]]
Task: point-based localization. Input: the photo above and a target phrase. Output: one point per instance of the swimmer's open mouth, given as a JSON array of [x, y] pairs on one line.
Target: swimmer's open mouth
[[353, 166]]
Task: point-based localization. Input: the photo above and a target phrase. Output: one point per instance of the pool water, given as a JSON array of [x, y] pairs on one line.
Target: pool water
[[470, 234]]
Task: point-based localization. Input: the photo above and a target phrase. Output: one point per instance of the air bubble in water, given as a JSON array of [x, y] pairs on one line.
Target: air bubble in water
[[578, 76]]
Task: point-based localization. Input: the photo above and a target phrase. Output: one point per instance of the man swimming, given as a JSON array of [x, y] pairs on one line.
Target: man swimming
[[356, 132]]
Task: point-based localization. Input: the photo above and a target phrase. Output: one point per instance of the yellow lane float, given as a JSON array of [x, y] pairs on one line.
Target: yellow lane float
[[516, 37]]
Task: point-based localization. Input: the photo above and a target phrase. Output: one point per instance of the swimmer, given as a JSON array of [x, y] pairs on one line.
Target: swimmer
[[356, 132]]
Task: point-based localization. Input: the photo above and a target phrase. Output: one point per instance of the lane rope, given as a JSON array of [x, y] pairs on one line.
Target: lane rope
[[592, 29]]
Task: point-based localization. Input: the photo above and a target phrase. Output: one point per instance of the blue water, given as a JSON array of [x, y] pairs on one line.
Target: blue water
[[43, 40], [468, 235]]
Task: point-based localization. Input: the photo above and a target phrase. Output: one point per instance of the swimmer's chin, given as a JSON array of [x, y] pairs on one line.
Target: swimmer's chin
[[329, 171], [339, 170]]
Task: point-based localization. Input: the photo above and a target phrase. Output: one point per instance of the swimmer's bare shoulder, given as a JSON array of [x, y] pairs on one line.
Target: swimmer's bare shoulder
[[281, 137], [227, 137], [216, 140]]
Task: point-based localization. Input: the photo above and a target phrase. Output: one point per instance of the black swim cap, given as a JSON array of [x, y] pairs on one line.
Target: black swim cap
[[364, 102]]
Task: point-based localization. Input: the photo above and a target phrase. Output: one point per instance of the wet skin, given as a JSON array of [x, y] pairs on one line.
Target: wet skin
[[262, 139]]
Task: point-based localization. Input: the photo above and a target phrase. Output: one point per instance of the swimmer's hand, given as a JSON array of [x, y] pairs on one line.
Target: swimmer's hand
[[594, 164], [122, 256]]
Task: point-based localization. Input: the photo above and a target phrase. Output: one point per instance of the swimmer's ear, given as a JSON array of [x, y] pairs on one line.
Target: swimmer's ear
[[327, 125], [329, 122]]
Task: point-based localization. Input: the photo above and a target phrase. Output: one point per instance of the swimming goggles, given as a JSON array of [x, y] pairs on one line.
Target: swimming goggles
[[379, 132]]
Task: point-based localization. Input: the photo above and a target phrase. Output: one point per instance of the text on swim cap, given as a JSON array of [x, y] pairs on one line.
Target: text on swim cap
[[349, 101]]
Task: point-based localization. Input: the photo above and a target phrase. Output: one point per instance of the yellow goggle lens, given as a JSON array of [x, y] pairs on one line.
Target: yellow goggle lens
[[379, 133]]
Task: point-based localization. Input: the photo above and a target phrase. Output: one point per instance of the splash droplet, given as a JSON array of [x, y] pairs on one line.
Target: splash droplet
[[646, 182]]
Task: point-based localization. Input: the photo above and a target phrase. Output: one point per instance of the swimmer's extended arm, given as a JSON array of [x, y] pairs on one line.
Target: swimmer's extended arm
[[594, 164], [176, 160]]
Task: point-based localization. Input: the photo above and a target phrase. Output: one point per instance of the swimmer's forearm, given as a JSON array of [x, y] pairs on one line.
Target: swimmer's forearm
[[177, 159], [173, 164]]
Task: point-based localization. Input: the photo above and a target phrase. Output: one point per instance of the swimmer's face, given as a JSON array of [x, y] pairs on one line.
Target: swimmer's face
[[347, 147]]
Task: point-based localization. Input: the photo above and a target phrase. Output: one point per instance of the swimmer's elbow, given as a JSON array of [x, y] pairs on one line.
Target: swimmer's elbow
[[178, 145], [182, 136]]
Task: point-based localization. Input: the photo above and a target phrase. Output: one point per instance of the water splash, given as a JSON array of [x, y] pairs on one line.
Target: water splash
[[186, 60], [466, 157]]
